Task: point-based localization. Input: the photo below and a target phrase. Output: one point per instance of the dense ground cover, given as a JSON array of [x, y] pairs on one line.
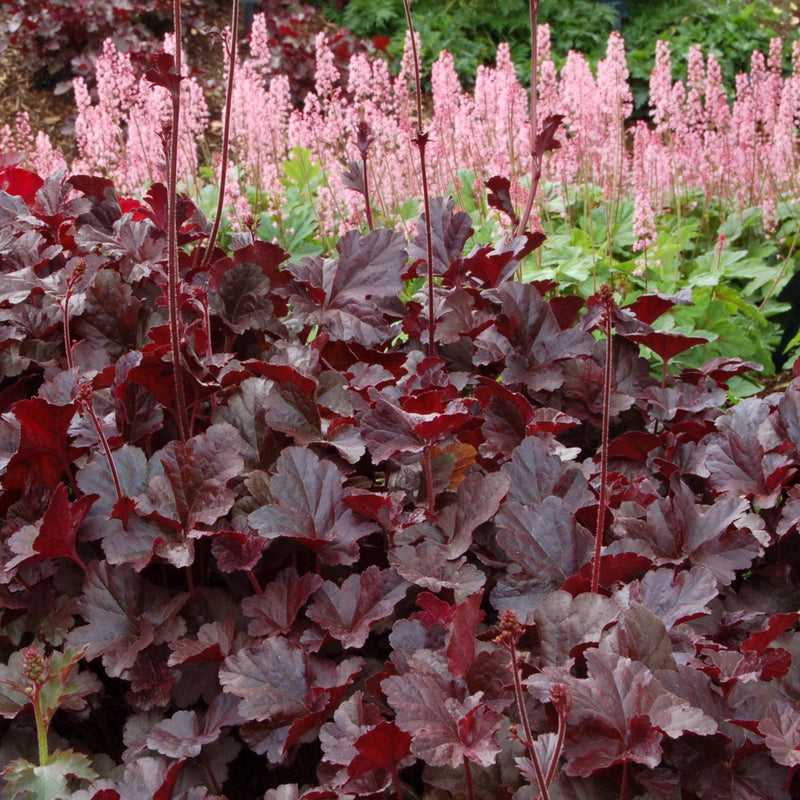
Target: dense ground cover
[[359, 501]]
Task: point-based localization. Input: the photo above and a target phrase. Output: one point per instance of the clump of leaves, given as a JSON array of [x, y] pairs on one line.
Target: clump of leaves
[[528, 560]]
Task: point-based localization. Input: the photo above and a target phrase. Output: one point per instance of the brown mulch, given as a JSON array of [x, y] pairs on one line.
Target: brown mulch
[[55, 113], [47, 111]]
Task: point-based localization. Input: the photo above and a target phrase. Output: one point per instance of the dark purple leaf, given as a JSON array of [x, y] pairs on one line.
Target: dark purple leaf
[[461, 638], [275, 610], [427, 565], [180, 736], [546, 138], [565, 623], [237, 550], [444, 729], [113, 317], [384, 747], [163, 72], [715, 770], [746, 458], [308, 494], [353, 176], [778, 624], [349, 611], [619, 713], [536, 473], [281, 685], [500, 197], [672, 596], [450, 232], [677, 530], [477, 500], [214, 642], [193, 489], [487, 267], [615, 568], [528, 339], [124, 615], [54, 535], [546, 540], [641, 636], [355, 297], [243, 289], [666, 344], [647, 308], [720, 370], [781, 731], [43, 452]]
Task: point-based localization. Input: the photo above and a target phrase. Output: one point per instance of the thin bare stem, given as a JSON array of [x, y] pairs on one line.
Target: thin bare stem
[[623, 789], [77, 272], [363, 141], [559, 696], [67, 342], [428, 469], [88, 404], [510, 633], [468, 776], [367, 204], [254, 582], [420, 141], [536, 167], [226, 133], [173, 273], [398, 792], [608, 301]]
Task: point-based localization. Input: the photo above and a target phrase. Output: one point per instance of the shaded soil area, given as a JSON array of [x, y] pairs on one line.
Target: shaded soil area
[[55, 113]]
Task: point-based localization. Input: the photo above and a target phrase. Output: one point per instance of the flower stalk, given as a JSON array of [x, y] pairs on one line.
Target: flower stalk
[[607, 300], [173, 272], [34, 668], [509, 636], [226, 132], [421, 140], [536, 164], [85, 399]]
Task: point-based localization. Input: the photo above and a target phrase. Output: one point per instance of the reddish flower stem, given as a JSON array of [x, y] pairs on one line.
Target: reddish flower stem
[[67, 342], [226, 134], [104, 443], [398, 792], [623, 789], [367, 202], [608, 300], [468, 776], [253, 582], [541, 779], [420, 141], [561, 733], [536, 167], [428, 469], [173, 274]]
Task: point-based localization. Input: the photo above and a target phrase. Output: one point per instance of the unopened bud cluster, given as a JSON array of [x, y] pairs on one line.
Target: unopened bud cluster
[[34, 666], [510, 630]]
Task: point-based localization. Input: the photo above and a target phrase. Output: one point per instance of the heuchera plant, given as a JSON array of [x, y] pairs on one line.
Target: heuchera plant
[[260, 539]]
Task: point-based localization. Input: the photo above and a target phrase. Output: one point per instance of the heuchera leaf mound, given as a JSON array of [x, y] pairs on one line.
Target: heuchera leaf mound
[[304, 597]]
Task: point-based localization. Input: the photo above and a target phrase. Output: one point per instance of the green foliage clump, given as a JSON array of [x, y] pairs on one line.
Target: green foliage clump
[[471, 30]]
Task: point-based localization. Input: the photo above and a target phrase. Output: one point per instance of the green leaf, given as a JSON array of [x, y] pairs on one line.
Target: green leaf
[[52, 780], [301, 169], [65, 684]]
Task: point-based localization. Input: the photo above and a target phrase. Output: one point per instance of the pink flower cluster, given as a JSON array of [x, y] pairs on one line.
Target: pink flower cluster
[[740, 151], [38, 150], [121, 135], [743, 153]]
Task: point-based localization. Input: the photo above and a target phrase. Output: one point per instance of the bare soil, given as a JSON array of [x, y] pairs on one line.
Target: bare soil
[[55, 113]]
